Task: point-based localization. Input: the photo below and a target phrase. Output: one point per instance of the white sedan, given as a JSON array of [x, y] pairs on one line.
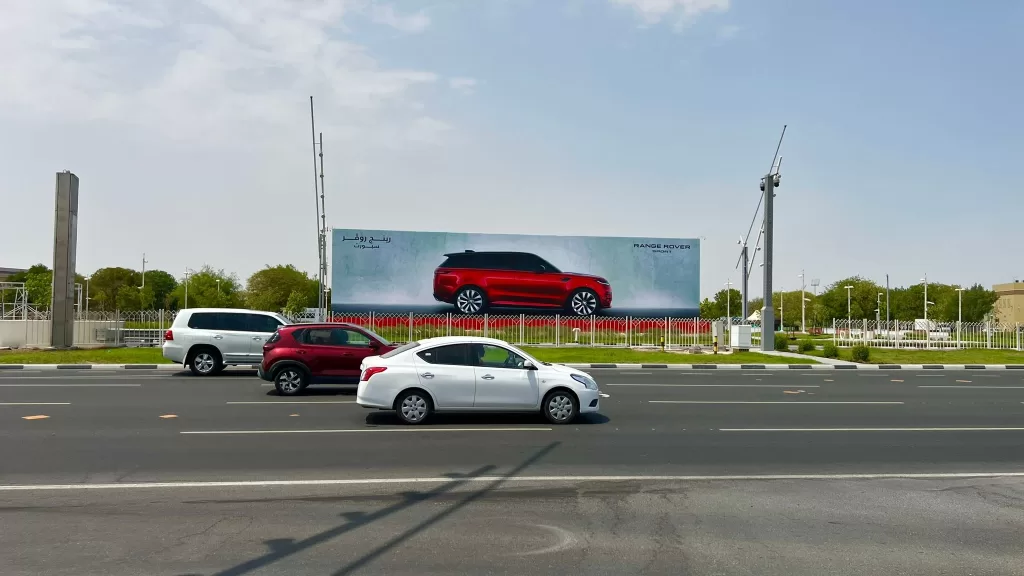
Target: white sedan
[[470, 374]]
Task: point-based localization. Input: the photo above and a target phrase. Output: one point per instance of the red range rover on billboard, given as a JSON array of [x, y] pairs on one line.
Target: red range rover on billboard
[[473, 281]]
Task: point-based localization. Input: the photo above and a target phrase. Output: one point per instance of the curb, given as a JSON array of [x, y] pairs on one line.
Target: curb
[[802, 366]]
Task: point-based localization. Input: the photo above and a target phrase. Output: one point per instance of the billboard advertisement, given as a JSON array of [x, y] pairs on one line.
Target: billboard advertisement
[[439, 272]]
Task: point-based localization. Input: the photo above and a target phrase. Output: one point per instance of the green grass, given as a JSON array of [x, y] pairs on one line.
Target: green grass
[[583, 355], [97, 356], [561, 355], [971, 356]]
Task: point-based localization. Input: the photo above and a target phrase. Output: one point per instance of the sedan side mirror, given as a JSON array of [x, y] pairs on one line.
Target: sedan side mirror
[[374, 344], [529, 365]]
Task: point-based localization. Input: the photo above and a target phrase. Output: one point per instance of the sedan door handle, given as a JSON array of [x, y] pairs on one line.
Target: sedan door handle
[[487, 377], [257, 337], [427, 375], [301, 351], [218, 337]]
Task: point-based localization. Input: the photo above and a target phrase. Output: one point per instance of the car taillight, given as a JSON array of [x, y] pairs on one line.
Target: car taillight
[[371, 371], [168, 336]]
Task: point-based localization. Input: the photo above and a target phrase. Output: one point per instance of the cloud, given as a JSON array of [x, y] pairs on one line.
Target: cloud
[[464, 85], [684, 11], [386, 14], [203, 69]]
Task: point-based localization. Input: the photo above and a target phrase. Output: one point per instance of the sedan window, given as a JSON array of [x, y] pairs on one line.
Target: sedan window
[[497, 357], [451, 355]]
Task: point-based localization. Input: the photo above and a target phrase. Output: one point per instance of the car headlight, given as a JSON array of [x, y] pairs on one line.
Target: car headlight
[[586, 381]]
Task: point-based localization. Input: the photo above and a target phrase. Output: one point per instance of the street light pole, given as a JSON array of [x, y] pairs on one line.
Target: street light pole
[[878, 312], [803, 299], [959, 313], [925, 280], [782, 309], [87, 278], [849, 309]]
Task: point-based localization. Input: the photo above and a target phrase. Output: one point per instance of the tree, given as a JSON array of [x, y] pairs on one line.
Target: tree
[[275, 287], [708, 309], [297, 303], [128, 298], [729, 302], [862, 299], [207, 288], [23, 276], [160, 284], [106, 285], [39, 285]]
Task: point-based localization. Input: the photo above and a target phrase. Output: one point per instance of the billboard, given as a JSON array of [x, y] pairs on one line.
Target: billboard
[[439, 272]]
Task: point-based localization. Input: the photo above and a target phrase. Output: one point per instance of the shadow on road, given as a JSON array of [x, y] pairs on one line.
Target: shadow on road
[[280, 548], [389, 418]]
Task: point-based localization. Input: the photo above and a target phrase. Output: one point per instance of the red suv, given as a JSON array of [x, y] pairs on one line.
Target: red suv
[[472, 281], [297, 353]]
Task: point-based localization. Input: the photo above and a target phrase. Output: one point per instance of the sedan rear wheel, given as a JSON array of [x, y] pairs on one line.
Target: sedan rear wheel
[[560, 407], [290, 381], [414, 407]]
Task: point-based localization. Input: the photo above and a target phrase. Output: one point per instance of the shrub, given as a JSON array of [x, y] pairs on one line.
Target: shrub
[[830, 350], [860, 353], [781, 342], [806, 345]]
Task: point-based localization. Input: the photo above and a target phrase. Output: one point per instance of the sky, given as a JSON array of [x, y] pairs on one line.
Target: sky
[[187, 122]]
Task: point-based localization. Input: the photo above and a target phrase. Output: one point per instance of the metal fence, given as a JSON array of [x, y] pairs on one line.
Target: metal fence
[[927, 334], [147, 328], [556, 330], [91, 329]]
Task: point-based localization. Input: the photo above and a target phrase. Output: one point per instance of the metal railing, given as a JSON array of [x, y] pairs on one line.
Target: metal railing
[[927, 334], [556, 330], [147, 328]]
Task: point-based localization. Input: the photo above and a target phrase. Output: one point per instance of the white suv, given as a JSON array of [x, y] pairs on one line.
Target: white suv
[[208, 339]]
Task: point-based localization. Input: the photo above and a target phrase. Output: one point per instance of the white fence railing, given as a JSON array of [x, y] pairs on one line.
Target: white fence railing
[[920, 334], [147, 328]]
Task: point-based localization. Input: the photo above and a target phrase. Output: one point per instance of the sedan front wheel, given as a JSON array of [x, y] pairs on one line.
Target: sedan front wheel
[[560, 407]]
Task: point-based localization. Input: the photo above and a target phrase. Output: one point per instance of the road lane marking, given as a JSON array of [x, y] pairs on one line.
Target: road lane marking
[[603, 395], [713, 385], [975, 386], [897, 380], [272, 403], [507, 479], [791, 402], [636, 373], [961, 429], [35, 403], [18, 376], [965, 381], [930, 375], [69, 385], [167, 416], [343, 431], [35, 417]]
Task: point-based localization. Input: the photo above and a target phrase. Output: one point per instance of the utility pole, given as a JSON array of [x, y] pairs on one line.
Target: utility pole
[[768, 184], [144, 261], [925, 280]]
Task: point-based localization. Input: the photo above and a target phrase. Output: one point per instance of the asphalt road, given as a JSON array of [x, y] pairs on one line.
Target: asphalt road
[[319, 485]]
